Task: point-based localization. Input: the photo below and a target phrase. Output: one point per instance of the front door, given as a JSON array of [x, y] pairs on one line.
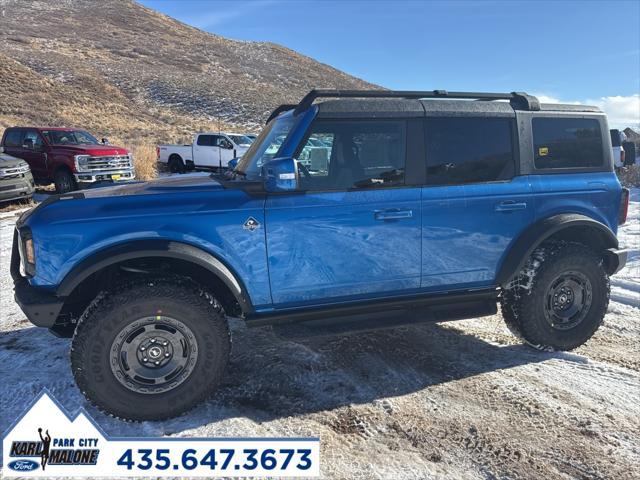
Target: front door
[[354, 229], [473, 204]]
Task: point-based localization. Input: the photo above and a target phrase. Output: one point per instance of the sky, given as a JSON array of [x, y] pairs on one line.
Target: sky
[[569, 51]]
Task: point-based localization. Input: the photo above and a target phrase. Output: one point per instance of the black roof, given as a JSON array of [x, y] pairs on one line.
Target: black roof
[[390, 103]]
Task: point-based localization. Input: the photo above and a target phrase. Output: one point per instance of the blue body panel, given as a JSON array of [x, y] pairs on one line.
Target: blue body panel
[[596, 195], [326, 245], [467, 229], [207, 217]]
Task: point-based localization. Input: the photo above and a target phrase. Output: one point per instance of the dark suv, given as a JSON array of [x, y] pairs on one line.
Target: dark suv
[[371, 210]]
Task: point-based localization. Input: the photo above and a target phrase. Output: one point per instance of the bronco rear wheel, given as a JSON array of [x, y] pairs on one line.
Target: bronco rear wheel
[[151, 350], [560, 297]]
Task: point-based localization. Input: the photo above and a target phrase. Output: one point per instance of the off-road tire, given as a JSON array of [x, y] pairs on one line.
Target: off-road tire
[[106, 317], [176, 164], [523, 301], [64, 181]]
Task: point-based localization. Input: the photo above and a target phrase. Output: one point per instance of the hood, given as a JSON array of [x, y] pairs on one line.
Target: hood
[[7, 161], [94, 150], [189, 183], [183, 183]]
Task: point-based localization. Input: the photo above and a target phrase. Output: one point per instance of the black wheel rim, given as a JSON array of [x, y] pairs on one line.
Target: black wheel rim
[[153, 354], [64, 183], [568, 300]]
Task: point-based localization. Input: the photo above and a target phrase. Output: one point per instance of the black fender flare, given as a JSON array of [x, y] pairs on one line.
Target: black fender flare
[[156, 248], [540, 231]]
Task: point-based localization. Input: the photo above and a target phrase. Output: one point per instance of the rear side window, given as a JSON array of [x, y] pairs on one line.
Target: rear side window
[[567, 143], [206, 140], [13, 138], [469, 150]]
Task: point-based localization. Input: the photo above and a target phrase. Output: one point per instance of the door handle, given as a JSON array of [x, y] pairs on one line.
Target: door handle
[[510, 206], [392, 214]]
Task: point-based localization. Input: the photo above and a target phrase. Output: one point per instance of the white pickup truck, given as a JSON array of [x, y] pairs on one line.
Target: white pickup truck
[[208, 150]]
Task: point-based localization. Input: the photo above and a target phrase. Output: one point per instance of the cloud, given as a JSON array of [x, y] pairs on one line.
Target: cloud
[[622, 111], [224, 13]]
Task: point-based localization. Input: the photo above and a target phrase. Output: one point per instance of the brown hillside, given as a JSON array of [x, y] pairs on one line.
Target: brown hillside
[[125, 71]]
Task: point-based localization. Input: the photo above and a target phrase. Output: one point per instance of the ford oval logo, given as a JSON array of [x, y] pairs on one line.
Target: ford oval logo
[[23, 465]]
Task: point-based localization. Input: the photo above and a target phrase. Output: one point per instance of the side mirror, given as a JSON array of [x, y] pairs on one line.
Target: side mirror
[[233, 163], [1, 149], [105, 141], [280, 175], [28, 144]]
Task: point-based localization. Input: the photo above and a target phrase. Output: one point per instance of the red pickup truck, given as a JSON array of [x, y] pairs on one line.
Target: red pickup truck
[[68, 157]]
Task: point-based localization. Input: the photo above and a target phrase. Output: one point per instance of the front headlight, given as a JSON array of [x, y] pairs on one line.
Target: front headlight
[[82, 162], [23, 167], [27, 252]]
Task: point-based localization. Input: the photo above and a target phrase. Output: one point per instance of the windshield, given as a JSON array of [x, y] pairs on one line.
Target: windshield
[[69, 137], [265, 147], [240, 139]]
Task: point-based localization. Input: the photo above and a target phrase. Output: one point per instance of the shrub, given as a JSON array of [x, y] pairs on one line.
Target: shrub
[[145, 161]]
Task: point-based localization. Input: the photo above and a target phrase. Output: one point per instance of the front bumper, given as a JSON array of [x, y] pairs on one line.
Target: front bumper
[[615, 260], [16, 188], [40, 306], [105, 175]]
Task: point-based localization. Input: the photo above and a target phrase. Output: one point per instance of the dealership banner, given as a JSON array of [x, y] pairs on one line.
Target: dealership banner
[[47, 442]]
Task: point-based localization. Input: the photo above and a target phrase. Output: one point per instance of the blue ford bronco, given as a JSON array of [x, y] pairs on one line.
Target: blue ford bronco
[[364, 210]]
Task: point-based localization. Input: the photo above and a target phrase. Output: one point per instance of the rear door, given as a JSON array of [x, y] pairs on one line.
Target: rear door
[[12, 142], [473, 204], [205, 151], [354, 229], [33, 152]]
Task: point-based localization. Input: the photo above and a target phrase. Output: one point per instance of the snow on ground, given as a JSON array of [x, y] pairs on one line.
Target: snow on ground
[[456, 400]]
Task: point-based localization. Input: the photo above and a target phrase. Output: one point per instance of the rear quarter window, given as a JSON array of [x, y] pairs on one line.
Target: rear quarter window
[[13, 138], [567, 143]]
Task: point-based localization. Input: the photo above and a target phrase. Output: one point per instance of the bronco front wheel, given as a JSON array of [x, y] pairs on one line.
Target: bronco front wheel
[[151, 350]]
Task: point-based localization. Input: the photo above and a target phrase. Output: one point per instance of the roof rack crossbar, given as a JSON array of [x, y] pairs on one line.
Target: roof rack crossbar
[[519, 100]]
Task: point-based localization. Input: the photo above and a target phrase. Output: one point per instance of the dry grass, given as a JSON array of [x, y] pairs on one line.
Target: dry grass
[[144, 159], [16, 205]]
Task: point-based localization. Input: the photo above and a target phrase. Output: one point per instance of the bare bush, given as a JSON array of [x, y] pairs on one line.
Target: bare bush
[[145, 161]]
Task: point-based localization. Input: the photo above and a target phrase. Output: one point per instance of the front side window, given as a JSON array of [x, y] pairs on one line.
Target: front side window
[[567, 143], [469, 150], [341, 155], [32, 138]]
